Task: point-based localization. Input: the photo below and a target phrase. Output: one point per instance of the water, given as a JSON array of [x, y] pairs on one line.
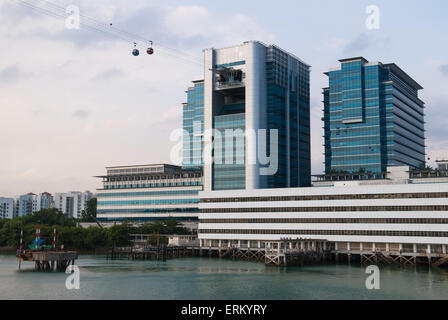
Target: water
[[219, 279]]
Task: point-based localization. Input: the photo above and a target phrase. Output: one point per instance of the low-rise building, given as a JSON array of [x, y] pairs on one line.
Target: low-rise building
[[148, 193], [399, 215]]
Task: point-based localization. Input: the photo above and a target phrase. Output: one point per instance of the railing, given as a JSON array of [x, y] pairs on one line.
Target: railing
[[225, 85]]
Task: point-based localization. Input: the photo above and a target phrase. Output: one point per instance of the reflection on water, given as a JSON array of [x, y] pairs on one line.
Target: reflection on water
[[221, 279]]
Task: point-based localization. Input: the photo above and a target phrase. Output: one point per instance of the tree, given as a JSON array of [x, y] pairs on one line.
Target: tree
[[157, 240], [89, 215], [120, 234]]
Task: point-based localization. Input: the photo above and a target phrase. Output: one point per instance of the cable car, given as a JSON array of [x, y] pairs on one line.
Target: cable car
[[135, 52], [150, 50]]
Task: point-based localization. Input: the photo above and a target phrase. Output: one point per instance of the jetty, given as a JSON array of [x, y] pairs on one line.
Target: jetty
[[48, 260], [152, 253], [45, 258]]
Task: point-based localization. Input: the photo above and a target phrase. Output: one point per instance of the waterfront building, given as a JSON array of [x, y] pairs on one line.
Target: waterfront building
[[404, 215], [148, 193], [7, 206], [193, 125], [247, 88], [442, 165], [72, 203], [373, 118]]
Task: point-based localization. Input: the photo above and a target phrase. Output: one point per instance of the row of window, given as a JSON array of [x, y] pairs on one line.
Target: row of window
[[154, 185], [327, 209], [333, 220], [143, 202], [159, 210], [150, 193], [429, 195], [432, 234]]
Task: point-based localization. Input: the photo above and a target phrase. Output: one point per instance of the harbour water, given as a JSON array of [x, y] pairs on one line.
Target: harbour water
[[217, 279]]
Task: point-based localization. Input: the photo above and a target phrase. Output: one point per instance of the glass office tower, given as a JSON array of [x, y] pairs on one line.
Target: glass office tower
[[373, 118], [193, 125], [247, 88]]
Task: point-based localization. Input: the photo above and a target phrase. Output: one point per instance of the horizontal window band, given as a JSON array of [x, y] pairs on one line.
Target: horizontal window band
[[333, 220], [436, 195], [327, 209], [432, 234]]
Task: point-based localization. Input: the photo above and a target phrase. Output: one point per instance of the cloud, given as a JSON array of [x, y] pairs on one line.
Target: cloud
[[11, 74], [81, 73], [109, 74], [366, 41], [80, 113], [444, 69]]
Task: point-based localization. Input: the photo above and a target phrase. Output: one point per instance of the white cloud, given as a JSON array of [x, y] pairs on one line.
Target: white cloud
[[67, 119]]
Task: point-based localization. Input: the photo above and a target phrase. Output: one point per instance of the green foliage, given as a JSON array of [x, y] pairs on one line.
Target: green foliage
[[90, 214], [48, 217], [169, 226], [119, 235], [157, 240], [77, 238]]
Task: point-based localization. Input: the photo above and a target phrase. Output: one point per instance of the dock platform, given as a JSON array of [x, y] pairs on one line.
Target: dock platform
[[48, 260]]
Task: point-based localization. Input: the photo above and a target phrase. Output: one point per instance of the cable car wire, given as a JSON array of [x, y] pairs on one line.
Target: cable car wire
[[110, 30]]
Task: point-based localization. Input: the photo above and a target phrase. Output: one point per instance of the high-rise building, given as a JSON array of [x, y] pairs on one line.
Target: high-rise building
[[72, 203], [6, 208], [193, 125], [148, 193], [45, 200], [28, 204], [248, 88], [373, 118]]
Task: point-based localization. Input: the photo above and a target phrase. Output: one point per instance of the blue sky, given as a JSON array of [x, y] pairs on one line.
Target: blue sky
[[75, 101]]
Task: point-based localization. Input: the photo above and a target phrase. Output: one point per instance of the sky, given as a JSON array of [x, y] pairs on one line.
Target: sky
[[73, 102]]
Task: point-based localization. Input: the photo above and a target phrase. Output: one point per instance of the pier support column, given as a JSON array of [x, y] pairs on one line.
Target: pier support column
[[361, 246], [387, 247], [348, 247], [259, 244], [374, 247], [444, 248], [414, 248], [428, 250]]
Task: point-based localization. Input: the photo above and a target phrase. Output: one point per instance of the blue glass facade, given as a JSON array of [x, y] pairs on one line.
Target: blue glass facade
[[288, 111], [193, 125], [373, 118], [229, 175]]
